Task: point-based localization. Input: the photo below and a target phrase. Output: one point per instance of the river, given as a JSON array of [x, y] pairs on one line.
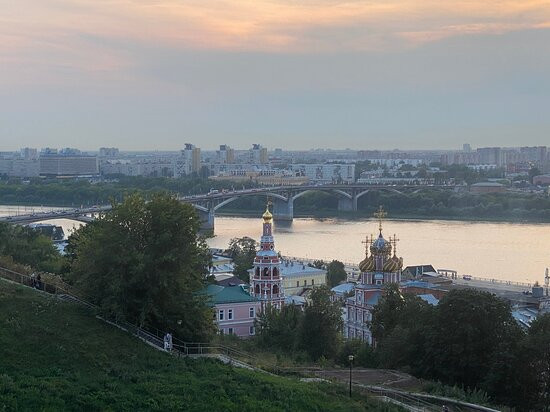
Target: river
[[509, 251]]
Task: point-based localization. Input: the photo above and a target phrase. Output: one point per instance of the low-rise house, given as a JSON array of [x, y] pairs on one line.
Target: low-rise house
[[298, 277], [234, 309], [343, 291]]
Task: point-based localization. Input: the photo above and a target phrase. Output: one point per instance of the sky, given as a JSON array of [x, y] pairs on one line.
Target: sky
[[155, 74]]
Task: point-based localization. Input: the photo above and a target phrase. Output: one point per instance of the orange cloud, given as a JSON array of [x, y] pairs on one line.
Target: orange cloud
[[96, 36]]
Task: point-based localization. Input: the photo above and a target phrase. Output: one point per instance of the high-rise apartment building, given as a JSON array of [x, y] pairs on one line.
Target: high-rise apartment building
[[226, 155], [258, 155]]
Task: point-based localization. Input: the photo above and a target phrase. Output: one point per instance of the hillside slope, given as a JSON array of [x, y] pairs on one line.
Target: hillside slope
[[56, 356]]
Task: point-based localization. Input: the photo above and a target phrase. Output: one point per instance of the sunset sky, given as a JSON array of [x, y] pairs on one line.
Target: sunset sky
[[154, 74]]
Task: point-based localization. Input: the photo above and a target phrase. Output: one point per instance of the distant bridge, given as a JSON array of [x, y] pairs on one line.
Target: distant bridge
[[283, 198]]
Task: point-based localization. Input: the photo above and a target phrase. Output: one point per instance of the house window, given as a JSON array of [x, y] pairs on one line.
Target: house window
[[251, 330], [220, 315], [230, 331], [297, 283], [230, 314], [251, 312], [305, 282], [312, 282]]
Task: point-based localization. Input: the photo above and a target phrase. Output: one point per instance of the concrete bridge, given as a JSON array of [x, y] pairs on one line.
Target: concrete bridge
[[283, 198]]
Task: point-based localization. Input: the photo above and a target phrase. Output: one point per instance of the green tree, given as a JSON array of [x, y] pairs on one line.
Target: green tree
[[532, 368], [336, 273], [29, 247], [144, 261], [279, 328], [242, 251], [321, 326], [471, 331]]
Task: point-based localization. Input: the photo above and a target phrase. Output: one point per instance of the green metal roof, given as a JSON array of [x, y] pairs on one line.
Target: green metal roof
[[227, 294]]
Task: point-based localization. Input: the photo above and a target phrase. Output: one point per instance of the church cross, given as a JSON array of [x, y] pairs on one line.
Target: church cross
[[394, 241], [380, 214]]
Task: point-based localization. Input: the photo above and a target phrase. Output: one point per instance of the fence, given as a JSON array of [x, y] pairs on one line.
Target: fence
[[152, 336]]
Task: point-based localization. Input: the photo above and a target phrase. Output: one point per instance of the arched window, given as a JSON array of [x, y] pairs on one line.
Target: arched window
[[257, 272], [257, 289], [275, 289], [275, 272], [266, 271]]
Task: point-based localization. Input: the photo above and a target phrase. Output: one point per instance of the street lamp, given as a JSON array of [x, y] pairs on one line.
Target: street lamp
[[350, 358]]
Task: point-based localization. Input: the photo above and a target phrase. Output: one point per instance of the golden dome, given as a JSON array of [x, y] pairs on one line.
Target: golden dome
[[393, 264], [267, 216], [367, 265]]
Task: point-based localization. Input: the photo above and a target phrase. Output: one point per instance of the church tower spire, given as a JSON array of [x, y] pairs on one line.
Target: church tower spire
[[265, 279]]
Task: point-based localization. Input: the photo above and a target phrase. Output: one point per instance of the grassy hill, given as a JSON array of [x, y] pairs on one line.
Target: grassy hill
[[57, 356]]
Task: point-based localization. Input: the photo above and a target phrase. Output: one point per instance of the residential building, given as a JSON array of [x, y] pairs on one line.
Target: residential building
[[226, 155], [234, 309], [257, 155], [298, 277], [68, 165], [108, 152], [325, 173]]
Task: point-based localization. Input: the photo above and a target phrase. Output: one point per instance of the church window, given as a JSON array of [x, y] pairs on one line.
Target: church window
[[305, 282], [257, 271], [312, 282], [275, 289], [275, 271], [257, 289], [266, 272]]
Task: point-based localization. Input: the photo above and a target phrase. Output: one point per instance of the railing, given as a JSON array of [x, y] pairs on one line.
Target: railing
[[153, 336]]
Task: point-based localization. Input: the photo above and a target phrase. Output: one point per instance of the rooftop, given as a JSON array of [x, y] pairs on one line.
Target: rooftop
[[227, 294], [289, 269]]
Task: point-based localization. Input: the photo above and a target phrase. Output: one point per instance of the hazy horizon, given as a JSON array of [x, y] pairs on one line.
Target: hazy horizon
[[147, 75]]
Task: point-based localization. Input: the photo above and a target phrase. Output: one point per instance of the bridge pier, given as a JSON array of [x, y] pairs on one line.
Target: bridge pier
[[207, 219], [283, 211], [346, 204]]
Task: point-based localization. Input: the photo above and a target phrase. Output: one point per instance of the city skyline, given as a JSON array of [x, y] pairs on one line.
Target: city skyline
[[380, 75]]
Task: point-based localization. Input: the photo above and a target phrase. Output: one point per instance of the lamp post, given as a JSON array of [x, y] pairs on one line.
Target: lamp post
[[350, 358]]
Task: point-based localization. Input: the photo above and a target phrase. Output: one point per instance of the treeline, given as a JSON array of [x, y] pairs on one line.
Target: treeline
[[83, 192], [471, 340], [469, 343]]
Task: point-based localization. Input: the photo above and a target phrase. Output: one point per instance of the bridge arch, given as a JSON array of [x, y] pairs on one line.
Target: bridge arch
[[201, 208], [320, 189]]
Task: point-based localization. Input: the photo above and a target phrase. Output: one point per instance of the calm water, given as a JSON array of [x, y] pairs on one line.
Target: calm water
[[67, 224], [507, 251]]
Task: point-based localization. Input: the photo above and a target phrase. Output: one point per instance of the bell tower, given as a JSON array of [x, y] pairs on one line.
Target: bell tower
[[265, 280]]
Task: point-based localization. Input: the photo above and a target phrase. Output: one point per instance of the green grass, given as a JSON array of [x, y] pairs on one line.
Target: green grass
[[57, 356]]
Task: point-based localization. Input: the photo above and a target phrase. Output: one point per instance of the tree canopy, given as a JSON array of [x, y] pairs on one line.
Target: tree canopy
[[242, 251], [29, 247], [336, 273], [144, 261]]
